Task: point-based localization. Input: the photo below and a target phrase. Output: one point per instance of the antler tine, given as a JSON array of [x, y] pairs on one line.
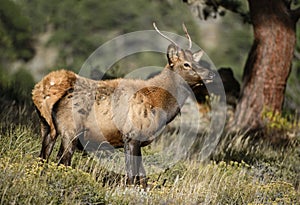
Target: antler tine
[[166, 37], [187, 35]]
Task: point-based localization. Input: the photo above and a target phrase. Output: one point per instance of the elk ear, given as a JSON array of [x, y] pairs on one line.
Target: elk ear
[[172, 54], [198, 55]]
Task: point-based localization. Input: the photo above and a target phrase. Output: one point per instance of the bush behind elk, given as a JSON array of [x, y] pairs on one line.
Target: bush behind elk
[[123, 112]]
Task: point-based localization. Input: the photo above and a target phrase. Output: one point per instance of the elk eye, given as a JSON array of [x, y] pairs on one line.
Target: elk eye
[[186, 65]]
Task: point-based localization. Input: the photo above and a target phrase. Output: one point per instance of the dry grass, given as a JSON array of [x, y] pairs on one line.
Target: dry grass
[[239, 174]]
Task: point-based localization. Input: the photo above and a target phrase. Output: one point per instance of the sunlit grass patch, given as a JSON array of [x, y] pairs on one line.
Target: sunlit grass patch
[[212, 183], [33, 182], [266, 175]]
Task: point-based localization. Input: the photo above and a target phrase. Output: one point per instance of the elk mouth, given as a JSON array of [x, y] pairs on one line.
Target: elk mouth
[[199, 84], [208, 81]]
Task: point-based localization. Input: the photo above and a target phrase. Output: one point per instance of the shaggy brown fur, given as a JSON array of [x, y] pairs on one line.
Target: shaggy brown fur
[[122, 112], [48, 91]]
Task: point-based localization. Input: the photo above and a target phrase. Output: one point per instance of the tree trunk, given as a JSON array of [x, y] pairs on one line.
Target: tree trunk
[[268, 64]]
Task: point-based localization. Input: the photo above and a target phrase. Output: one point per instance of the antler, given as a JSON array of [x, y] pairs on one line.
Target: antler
[[166, 37], [187, 35]]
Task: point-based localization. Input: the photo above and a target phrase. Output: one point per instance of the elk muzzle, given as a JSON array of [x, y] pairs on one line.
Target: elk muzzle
[[206, 75]]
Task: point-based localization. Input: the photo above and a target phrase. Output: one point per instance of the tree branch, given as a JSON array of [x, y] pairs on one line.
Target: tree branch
[[209, 7], [235, 8], [296, 14]]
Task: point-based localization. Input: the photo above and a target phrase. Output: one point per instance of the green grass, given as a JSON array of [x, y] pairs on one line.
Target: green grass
[[238, 174]]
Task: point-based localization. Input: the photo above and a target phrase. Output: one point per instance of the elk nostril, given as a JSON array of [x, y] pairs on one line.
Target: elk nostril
[[211, 75]]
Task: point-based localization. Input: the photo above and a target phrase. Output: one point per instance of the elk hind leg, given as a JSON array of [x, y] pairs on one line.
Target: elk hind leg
[[49, 139], [67, 148]]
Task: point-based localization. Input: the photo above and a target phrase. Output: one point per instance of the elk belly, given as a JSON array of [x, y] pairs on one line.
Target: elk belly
[[99, 126]]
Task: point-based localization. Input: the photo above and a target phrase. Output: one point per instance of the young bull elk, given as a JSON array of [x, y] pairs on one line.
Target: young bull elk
[[123, 112]]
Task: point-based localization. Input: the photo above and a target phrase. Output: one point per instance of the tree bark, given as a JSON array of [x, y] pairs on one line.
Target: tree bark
[[268, 64]]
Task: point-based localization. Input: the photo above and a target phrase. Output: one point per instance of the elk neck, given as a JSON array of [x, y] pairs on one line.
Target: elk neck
[[172, 83]]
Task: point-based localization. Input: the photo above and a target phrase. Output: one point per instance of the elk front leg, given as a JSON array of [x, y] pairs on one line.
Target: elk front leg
[[133, 161]]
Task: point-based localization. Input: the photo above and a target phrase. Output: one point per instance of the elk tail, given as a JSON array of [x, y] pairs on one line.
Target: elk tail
[[49, 91]]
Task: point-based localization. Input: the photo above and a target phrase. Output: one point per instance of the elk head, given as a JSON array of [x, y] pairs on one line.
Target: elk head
[[186, 63]]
